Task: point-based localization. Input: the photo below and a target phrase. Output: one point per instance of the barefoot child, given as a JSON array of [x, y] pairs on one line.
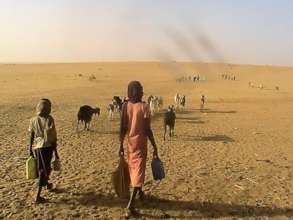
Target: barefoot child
[[43, 142], [135, 121]]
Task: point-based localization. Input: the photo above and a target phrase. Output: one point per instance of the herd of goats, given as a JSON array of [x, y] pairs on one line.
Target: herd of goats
[[224, 76], [155, 103], [260, 86], [197, 78], [192, 78], [228, 77]]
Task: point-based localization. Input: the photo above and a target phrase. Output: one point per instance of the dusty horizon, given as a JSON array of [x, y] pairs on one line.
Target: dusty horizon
[[247, 32], [146, 61]]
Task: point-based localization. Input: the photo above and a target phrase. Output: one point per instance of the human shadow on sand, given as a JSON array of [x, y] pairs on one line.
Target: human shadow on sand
[[215, 138], [202, 209]]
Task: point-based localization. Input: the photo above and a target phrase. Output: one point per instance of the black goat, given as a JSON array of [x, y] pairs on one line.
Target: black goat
[[169, 121], [85, 115]]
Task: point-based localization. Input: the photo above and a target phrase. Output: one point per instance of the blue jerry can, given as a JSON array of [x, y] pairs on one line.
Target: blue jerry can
[[158, 169]]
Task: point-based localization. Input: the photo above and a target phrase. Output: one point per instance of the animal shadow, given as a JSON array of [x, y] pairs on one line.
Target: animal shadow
[[187, 118], [193, 122], [214, 138], [184, 112], [218, 111]]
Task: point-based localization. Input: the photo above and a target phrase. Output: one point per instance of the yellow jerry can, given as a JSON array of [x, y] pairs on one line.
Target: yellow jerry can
[[31, 168]]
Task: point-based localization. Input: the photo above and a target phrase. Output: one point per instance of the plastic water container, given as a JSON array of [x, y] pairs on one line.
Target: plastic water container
[[158, 169], [121, 179], [31, 168]]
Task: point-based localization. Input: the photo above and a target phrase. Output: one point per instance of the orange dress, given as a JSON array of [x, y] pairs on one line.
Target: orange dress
[[137, 141]]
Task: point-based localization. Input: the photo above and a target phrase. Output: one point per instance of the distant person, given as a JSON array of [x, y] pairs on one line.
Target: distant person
[[43, 143], [202, 102], [136, 122]]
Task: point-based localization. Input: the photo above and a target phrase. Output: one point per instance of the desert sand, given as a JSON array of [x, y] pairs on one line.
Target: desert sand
[[233, 160]]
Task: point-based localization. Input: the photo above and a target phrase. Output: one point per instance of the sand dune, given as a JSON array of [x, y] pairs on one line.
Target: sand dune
[[234, 160]]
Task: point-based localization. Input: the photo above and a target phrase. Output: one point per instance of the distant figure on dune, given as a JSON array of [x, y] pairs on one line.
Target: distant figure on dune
[[250, 84], [43, 142], [202, 102], [136, 122]]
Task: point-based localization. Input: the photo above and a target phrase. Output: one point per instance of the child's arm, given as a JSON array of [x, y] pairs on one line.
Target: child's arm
[[151, 137], [123, 128], [32, 137], [54, 145]]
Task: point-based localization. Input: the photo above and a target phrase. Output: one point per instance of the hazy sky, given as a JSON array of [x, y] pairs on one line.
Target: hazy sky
[[235, 31]]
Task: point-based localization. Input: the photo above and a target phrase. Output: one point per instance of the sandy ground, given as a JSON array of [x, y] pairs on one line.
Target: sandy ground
[[234, 160]]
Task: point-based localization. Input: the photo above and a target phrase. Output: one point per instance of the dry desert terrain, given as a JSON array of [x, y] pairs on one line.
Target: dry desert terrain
[[232, 160]]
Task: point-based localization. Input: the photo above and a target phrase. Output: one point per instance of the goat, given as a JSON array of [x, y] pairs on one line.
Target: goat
[[111, 109], [154, 105], [85, 115], [169, 121], [179, 101], [117, 102]]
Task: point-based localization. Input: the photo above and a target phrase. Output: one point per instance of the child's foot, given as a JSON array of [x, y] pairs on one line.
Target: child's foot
[[141, 196], [40, 200], [131, 212], [50, 186]]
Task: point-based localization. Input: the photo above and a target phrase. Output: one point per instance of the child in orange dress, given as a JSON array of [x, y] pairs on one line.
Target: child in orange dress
[[136, 122]]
